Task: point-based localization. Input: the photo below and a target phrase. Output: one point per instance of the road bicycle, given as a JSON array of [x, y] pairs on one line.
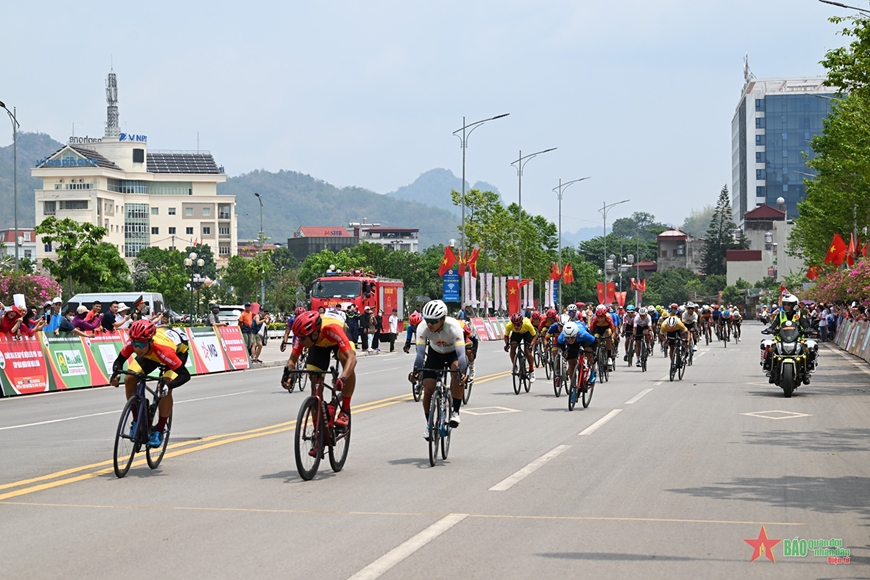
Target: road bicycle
[[469, 382], [629, 352], [678, 363], [299, 379], [417, 388], [519, 373], [584, 389], [643, 354], [736, 332], [134, 427], [316, 428], [603, 362], [560, 374], [707, 334], [439, 415], [546, 363]]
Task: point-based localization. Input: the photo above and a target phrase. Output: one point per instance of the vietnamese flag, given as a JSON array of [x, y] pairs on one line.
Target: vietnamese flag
[[813, 272], [472, 262], [850, 253], [554, 271], [513, 290], [836, 252], [463, 260], [448, 260], [568, 274]]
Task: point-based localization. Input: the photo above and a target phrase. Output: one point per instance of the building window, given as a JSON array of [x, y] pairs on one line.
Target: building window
[[759, 104], [189, 231], [171, 211], [154, 211], [206, 211], [759, 122], [49, 207], [28, 254], [171, 231], [224, 251], [188, 211], [760, 191], [223, 212], [155, 231], [759, 140], [26, 236], [74, 204], [664, 253], [785, 186], [48, 248], [206, 231], [224, 231], [759, 156], [759, 174]]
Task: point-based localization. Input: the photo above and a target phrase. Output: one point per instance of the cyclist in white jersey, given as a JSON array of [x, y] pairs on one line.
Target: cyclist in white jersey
[[690, 320], [446, 350]]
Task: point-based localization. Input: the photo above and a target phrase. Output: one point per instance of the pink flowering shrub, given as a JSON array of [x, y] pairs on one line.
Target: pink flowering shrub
[[843, 285], [36, 289]]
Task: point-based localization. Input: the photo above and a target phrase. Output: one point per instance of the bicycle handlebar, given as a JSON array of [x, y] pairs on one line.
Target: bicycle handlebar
[[141, 376]]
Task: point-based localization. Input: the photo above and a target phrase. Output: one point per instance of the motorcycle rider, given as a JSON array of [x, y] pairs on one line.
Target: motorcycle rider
[[788, 313]]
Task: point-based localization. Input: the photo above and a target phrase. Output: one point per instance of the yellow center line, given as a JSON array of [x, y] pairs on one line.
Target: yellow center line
[[183, 448]]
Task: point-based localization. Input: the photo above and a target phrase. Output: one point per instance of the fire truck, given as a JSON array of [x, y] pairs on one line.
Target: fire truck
[[363, 289]]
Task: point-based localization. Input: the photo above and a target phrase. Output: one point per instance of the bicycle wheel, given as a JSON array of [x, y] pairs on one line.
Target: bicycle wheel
[[547, 363], [681, 368], [125, 447], [629, 353], [527, 384], [155, 456], [536, 356], [417, 389], [340, 445], [518, 384], [447, 429], [587, 392], [308, 439], [572, 392], [644, 355], [606, 373], [557, 379], [434, 426], [673, 371], [469, 382]]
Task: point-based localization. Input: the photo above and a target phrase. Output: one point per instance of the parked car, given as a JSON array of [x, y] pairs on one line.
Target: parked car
[[230, 313]]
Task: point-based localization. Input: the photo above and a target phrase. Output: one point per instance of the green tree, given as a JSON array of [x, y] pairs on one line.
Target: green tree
[[81, 258], [720, 236], [698, 221], [669, 286], [732, 295], [640, 223], [283, 259], [203, 252], [158, 270]]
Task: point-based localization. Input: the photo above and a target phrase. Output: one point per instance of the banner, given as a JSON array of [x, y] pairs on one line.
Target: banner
[[494, 331], [451, 286], [22, 366], [480, 328], [206, 352], [606, 297], [234, 346]]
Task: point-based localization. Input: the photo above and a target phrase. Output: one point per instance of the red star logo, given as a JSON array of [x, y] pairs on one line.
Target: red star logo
[[762, 544]]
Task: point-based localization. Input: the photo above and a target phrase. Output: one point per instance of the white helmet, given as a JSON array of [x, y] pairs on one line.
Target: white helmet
[[435, 309], [671, 322], [790, 299], [642, 311], [564, 319], [571, 329], [682, 309], [572, 308]]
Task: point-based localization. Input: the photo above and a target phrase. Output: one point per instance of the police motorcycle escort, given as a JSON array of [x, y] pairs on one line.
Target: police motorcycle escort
[[788, 358]]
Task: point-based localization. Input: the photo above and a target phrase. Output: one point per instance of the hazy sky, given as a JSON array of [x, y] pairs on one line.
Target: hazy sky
[[637, 94]]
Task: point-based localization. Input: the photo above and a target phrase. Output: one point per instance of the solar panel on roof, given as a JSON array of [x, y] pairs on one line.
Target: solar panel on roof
[[181, 163]]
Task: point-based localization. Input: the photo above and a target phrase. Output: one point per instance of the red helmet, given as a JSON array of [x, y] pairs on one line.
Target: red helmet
[[416, 318], [299, 310], [536, 316], [142, 330], [306, 323], [517, 319], [551, 313], [601, 310]]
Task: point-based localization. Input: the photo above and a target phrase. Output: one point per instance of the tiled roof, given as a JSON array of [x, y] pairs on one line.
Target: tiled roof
[[764, 212], [673, 233], [181, 163], [88, 154]]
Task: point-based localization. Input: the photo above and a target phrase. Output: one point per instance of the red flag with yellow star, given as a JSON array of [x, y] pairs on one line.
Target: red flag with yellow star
[[448, 260], [836, 251], [472, 262]]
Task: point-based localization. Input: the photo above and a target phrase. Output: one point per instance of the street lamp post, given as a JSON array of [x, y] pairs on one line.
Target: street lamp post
[[15, 126], [260, 253], [520, 163], [195, 264], [604, 209], [559, 190]]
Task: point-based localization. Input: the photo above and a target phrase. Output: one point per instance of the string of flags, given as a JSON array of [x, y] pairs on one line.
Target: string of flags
[[466, 260]]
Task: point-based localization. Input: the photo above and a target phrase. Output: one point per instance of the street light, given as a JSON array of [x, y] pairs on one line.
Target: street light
[[15, 126], [604, 209], [196, 278], [520, 163], [559, 190], [845, 6], [260, 253]]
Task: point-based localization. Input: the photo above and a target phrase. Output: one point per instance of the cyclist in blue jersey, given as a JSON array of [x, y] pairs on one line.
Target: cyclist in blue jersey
[[572, 338]]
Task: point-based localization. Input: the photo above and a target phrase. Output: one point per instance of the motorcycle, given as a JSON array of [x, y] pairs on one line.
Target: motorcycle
[[787, 359]]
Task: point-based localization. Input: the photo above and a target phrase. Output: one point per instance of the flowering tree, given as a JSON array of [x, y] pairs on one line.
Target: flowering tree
[[843, 285], [36, 289]]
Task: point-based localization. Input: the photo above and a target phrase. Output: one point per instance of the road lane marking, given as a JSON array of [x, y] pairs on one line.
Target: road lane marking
[[520, 475], [594, 426], [849, 358], [391, 514], [115, 412], [380, 566], [638, 396]]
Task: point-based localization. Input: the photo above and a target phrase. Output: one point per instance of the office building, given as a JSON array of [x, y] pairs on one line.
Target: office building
[[26, 243]]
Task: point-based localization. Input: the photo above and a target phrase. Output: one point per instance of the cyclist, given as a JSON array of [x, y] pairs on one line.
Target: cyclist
[[553, 333], [286, 340], [446, 350], [153, 347], [548, 320], [617, 321], [324, 337], [643, 324], [725, 321], [573, 336], [572, 312], [602, 326], [717, 316], [736, 319], [413, 322], [628, 328], [521, 330], [690, 320], [673, 328], [471, 340], [706, 318]]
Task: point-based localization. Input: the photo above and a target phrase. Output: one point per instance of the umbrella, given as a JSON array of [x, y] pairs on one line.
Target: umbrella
[[808, 302], [422, 299]]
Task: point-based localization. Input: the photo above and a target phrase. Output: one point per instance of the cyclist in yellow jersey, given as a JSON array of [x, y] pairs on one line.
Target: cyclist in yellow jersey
[[520, 329], [672, 329]]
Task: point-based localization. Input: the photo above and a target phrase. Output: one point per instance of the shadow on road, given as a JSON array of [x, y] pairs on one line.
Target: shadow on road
[[831, 440], [419, 462]]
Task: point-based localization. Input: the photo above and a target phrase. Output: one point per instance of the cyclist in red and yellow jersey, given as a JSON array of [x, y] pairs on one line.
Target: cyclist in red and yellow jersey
[[154, 347], [323, 337]]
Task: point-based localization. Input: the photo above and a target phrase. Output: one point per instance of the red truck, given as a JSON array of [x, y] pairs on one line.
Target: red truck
[[363, 290]]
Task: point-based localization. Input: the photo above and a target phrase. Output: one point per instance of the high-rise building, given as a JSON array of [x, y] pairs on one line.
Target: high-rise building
[[771, 132]]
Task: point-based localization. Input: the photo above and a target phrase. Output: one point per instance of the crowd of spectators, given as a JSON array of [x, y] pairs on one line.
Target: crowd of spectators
[[76, 321]]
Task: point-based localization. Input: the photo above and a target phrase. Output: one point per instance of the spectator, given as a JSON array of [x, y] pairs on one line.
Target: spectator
[[11, 322], [55, 316], [124, 311], [213, 318], [823, 325], [264, 327], [111, 319], [394, 328], [66, 327], [353, 319], [82, 324], [95, 310], [246, 320], [31, 323], [365, 323], [378, 327]]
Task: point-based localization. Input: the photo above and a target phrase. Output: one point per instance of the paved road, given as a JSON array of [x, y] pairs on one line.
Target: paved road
[[654, 480]]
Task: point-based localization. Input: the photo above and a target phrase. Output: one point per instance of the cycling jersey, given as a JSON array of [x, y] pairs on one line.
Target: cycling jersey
[[449, 338], [599, 323], [166, 346], [583, 338], [527, 327], [679, 327], [642, 321], [716, 314], [689, 318], [554, 329], [545, 324], [726, 314], [332, 336]]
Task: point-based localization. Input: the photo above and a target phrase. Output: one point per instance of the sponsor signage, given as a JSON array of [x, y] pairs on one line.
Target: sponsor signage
[[134, 138], [84, 140], [68, 162]]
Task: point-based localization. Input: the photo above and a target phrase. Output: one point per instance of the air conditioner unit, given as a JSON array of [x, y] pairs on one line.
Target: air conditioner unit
[[61, 180]]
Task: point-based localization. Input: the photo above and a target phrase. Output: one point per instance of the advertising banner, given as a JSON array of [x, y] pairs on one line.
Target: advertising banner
[[480, 327], [69, 363], [103, 350], [489, 333], [451, 286], [497, 330], [22, 366], [234, 347], [206, 351]]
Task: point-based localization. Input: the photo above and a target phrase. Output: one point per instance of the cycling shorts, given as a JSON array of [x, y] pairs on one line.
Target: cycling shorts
[[146, 366], [525, 337], [319, 356], [638, 331], [437, 360], [599, 331], [689, 325], [672, 336], [627, 330]]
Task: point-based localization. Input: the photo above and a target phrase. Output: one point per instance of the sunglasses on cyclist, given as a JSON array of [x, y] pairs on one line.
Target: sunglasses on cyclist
[[432, 321], [142, 345]]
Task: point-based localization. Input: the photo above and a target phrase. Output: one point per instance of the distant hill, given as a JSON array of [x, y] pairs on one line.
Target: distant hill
[[581, 235], [31, 148], [433, 188], [292, 199]]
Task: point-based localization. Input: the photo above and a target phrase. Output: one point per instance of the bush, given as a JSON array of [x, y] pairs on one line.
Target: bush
[[36, 289]]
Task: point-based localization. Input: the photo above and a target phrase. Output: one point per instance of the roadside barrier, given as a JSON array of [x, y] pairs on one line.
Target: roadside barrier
[[45, 363], [854, 337]]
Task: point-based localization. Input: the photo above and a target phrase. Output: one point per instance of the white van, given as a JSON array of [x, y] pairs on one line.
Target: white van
[[153, 300]]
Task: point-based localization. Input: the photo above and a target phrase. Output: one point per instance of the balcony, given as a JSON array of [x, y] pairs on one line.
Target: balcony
[[223, 216]]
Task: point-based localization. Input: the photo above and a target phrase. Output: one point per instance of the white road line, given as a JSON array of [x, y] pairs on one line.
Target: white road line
[[594, 426], [509, 482], [658, 383], [664, 378], [383, 564], [115, 412], [852, 360], [637, 397]]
